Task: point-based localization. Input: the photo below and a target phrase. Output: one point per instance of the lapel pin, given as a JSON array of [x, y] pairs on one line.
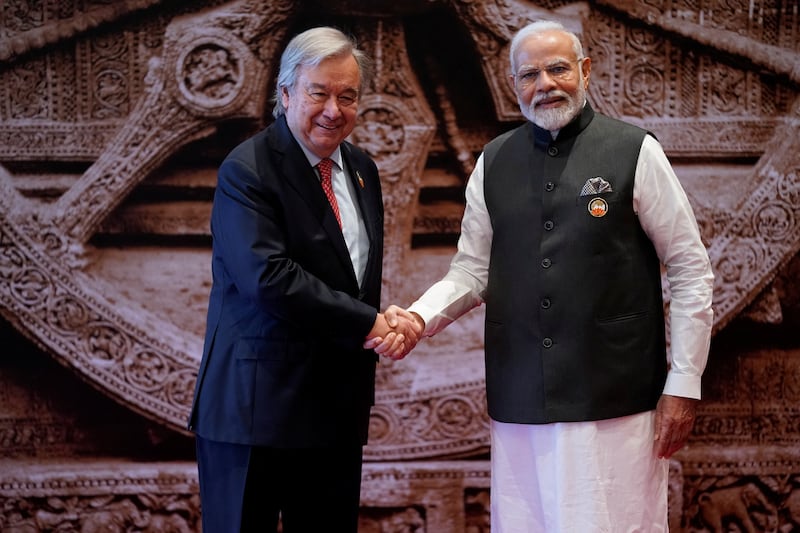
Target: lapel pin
[[598, 207], [360, 180]]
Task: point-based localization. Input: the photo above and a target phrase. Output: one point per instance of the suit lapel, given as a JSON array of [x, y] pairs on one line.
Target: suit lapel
[[367, 205], [302, 177], [360, 181]]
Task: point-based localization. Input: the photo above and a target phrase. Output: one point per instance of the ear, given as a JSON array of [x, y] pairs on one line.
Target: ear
[[285, 97], [586, 68], [511, 83]]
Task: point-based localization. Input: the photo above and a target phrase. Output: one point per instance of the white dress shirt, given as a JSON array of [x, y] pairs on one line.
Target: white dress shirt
[[353, 228]]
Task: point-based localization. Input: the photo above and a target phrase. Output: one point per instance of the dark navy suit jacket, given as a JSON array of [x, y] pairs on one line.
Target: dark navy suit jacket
[[283, 363]]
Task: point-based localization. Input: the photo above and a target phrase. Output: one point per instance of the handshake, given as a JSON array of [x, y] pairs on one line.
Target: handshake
[[395, 333]]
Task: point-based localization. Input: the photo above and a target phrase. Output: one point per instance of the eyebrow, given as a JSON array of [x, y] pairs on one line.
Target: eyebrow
[[323, 87], [552, 63]]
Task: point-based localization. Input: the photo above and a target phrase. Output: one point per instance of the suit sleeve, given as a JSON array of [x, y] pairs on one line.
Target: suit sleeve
[[248, 224]]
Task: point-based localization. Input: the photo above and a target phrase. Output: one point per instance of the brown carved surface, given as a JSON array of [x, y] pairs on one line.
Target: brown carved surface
[[114, 115]]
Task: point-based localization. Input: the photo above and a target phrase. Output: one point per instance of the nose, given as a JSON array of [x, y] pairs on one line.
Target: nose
[[544, 82], [331, 108]]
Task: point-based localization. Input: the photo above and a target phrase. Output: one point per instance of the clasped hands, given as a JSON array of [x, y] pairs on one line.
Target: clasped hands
[[395, 333]]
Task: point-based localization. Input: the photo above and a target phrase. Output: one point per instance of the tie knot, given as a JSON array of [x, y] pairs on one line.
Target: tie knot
[[325, 165]]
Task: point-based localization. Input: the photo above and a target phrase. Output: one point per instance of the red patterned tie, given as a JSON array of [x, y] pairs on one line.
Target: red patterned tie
[[324, 167]]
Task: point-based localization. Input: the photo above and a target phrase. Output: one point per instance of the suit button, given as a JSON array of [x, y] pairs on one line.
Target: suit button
[[546, 303], [546, 262], [549, 186], [552, 151], [547, 342], [548, 225]]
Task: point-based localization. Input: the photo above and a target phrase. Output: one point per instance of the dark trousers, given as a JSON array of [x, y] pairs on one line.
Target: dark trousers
[[249, 488]]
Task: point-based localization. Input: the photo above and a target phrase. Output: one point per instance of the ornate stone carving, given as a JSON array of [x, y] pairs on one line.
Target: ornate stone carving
[[97, 497], [451, 420], [717, 86], [119, 350], [396, 128]]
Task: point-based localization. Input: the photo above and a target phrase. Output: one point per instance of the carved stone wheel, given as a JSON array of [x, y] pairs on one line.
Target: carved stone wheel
[[215, 67]]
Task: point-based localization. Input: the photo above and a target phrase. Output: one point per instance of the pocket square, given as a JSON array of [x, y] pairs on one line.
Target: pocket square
[[595, 185]]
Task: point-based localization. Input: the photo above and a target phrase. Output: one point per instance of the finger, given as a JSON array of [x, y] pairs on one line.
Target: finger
[[398, 354], [387, 345], [397, 349], [671, 440], [661, 449], [370, 344], [661, 439]]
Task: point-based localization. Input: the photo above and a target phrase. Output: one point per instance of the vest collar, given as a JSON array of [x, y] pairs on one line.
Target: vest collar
[[544, 138]]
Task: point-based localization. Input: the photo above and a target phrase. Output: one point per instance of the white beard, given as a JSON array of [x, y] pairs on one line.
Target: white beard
[[556, 118]]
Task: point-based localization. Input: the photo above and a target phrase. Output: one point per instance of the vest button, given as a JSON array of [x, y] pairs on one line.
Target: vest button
[[549, 186], [546, 262], [552, 151], [547, 342], [548, 225], [546, 303]]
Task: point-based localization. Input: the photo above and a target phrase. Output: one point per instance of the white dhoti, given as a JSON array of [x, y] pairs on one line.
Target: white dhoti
[[578, 477]]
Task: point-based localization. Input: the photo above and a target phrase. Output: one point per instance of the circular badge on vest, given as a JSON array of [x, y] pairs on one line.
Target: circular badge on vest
[[598, 207]]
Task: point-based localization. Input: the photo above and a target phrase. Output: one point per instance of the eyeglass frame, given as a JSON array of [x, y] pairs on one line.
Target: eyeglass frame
[[523, 84], [319, 96]]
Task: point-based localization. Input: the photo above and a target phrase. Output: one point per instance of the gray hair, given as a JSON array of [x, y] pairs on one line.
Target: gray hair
[[312, 47], [535, 28]]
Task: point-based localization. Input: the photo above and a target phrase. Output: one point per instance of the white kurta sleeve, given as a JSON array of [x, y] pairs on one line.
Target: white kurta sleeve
[[667, 217], [463, 287]]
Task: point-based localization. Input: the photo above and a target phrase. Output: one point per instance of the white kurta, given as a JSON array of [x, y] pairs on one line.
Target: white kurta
[[603, 475]]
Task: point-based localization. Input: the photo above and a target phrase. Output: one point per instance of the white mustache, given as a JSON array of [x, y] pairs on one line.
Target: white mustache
[[552, 94]]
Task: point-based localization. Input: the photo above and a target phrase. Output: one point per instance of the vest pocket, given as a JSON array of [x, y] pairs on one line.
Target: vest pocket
[[621, 318]]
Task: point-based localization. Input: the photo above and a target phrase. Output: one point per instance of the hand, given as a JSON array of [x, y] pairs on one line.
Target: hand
[[674, 420], [383, 334], [409, 325]]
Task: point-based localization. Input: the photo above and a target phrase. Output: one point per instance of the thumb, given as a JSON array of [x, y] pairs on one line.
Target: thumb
[[391, 316]]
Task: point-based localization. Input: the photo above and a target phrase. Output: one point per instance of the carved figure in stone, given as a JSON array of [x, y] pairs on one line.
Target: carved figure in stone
[[737, 504], [21, 528], [117, 517], [478, 519], [407, 521], [791, 510], [167, 524]]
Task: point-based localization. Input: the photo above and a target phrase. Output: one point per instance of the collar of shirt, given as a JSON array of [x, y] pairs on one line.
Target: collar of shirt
[[336, 157]]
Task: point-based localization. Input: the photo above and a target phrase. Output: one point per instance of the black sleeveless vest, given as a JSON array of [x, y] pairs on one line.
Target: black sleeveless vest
[[574, 311]]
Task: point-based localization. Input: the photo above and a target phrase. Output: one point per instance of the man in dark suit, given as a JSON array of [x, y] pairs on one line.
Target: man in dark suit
[[284, 390]]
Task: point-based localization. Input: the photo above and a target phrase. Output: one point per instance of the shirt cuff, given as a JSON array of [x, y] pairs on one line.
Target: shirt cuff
[[683, 385], [427, 315]]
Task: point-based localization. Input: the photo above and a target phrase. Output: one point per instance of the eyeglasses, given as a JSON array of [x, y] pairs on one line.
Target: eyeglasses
[[346, 99], [562, 70]]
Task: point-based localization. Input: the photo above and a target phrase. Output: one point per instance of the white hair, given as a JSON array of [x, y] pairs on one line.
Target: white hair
[[311, 48], [536, 28]]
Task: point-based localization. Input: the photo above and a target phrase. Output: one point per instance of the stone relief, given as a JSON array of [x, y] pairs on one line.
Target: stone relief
[[96, 102]]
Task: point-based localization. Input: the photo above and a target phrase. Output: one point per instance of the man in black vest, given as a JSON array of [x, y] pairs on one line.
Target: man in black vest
[[568, 221]]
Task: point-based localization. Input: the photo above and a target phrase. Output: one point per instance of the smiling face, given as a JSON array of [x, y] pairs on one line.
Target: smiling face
[[550, 81], [322, 106]]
